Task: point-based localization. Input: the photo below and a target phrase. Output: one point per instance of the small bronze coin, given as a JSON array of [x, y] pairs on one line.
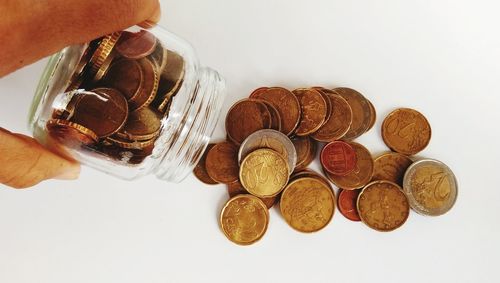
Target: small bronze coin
[[314, 111], [306, 151], [126, 76], [347, 204], [222, 163], [102, 110], [200, 170], [103, 51], [237, 188], [361, 175], [383, 206], [136, 45], [70, 134], [143, 124], [246, 117], [275, 116], [104, 68], [264, 173], [149, 87], [128, 144], [307, 173], [83, 66], [362, 115], [171, 79], [159, 57], [329, 106], [373, 116], [391, 167], [307, 204], [338, 158], [406, 131], [244, 219], [285, 102], [339, 123]]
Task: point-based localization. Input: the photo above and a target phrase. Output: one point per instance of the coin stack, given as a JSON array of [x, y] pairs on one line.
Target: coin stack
[[119, 92], [273, 136]]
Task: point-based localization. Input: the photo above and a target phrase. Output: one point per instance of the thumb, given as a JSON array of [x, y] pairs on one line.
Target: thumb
[[26, 163]]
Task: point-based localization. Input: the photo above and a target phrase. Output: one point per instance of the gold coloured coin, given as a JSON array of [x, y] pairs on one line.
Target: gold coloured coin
[[264, 173], [236, 188], [244, 219], [103, 51], [391, 167], [383, 206], [307, 204]]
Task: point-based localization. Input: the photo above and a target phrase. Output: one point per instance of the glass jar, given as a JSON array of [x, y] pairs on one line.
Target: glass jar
[[132, 103]]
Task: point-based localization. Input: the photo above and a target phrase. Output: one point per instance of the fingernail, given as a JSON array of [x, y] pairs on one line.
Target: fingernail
[[71, 172]]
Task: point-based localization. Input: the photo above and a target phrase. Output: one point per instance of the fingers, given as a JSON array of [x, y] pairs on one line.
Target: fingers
[[35, 29], [25, 163]]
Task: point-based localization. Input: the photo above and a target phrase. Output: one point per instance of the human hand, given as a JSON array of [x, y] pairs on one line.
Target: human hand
[[31, 30]]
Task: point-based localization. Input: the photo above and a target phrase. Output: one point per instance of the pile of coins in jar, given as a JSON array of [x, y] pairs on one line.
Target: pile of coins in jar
[[273, 136], [121, 89]]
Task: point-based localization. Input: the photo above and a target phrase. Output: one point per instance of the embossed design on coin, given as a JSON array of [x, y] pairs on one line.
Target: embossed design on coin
[[244, 219], [246, 117], [361, 112], [271, 139], [340, 121], [307, 204], [406, 131], [285, 102], [383, 206], [222, 163], [264, 173], [314, 111], [347, 203], [338, 158], [200, 170], [391, 167], [431, 187], [361, 175]]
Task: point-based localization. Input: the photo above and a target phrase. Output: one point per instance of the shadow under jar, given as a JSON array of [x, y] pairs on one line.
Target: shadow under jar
[[131, 103]]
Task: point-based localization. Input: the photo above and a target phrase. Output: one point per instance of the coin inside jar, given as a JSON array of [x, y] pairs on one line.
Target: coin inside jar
[[431, 187], [143, 124], [406, 131], [271, 139], [126, 76], [200, 170], [347, 204], [338, 158], [222, 163], [246, 117], [102, 110], [339, 123], [136, 45], [264, 173], [314, 111], [383, 206], [70, 134], [362, 115], [307, 204], [171, 79], [391, 167], [244, 219], [147, 92]]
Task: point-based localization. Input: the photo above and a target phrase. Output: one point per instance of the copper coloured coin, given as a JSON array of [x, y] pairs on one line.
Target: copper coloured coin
[[136, 45], [143, 124], [102, 110], [200, 170], [222, 163], [237, 188], [70, 134], [126, 76], [391, 167], [275, 116], [361, 110], [340, 121], [329, 106], [338, 158], [149, 87], [246, 117], [306, 151], [171, 79], [159, 57], [314, 111], [347, 201], [285, 102]]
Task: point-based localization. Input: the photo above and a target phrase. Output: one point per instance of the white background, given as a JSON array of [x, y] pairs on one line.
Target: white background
[[440, 57]]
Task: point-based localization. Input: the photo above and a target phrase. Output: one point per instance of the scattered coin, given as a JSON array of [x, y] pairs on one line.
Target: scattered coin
[[275, 116], [362, 116], [339, 123], [383, 206], [200, 170], [246, 117], [406, 131], [307, 204], [391, 167], [136, 45], [236, 188], [244, 219], [306, 151], [264, 173], [285, 102], [314, 111], [347, 203], [222, 163], [271, 139], [431, 187], [338, 158]]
